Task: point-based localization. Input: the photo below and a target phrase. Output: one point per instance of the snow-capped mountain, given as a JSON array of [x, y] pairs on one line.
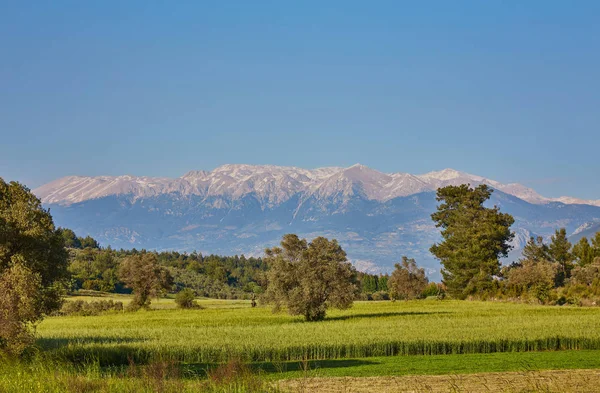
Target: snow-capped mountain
[[378, 217], [274, 185]]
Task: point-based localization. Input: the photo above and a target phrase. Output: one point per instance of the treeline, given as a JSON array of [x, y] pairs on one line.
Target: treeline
[[94, 268], [554, 273], [213, 276], [474, 237]]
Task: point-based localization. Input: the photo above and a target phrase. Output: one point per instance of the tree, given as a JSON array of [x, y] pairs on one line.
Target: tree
[[309, 278], [474, 237], [596, 245], [559, 251], [532, 277], [71, 240], [33, 264], [535, 250], [408, 281], [145, 277], [583, 252], [88, 242], [588, 274]]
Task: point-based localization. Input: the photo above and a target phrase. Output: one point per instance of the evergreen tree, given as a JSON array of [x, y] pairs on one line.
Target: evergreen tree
[[583, 252], [474, 237], [596, 245], [71, 240], [560, 252], [535, 250]]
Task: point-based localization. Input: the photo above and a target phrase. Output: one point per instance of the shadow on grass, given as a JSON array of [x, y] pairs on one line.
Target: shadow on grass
[[54, 343], [201, 369], [383, 315]]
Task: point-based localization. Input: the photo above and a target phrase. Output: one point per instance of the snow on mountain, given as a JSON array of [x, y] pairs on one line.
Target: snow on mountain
[[575, 201], [274, 185], [241, 209], [451, 177]]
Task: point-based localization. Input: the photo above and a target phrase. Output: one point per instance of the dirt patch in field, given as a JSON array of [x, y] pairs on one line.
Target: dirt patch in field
[[560, 381]]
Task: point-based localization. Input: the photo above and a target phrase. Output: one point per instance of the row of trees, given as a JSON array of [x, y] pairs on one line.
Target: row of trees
[[210, 276]]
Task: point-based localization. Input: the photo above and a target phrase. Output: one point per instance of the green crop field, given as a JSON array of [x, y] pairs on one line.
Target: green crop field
[[225, 329], [375, 339]]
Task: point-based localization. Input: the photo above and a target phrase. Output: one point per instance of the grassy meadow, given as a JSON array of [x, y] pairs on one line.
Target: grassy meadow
[[167, 349], [232, 329]]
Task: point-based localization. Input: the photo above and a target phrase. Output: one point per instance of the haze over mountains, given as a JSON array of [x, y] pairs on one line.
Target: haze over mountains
[[236, 209]]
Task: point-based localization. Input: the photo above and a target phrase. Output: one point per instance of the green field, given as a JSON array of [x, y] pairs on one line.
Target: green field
[[372, 339], [225, 329]]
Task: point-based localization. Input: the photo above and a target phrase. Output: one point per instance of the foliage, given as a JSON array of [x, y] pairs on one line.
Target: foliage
[[33, 264], [535, 250], [532, 277], [434, 289], [96, 307], [20, 301], [474, 237], [583, 252], [408, 281], [371, 283], [145, 277], [71, 240], [380, 295], [186, 299], [309, 278], [560, 252]]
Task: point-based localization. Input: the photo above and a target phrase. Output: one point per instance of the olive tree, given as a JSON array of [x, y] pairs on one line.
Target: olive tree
[[147, 279], [33, 265], [308, 278]]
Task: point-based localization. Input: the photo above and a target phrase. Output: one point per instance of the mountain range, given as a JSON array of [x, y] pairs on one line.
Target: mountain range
[[235, 209]]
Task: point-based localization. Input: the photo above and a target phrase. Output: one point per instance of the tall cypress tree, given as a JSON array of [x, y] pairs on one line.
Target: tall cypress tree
[[474, 238]]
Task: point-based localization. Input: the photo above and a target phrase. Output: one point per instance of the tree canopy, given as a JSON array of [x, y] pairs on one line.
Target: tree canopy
[[408, 281], [145, 277], [308, 278], [474, 238], [33, 262]]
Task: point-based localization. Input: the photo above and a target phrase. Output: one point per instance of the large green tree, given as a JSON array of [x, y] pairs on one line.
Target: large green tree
[[474, 238], [308, 278], [33, 263]]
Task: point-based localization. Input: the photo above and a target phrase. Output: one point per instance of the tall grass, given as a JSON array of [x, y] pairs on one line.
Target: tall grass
[[44, 375], [225, 330]]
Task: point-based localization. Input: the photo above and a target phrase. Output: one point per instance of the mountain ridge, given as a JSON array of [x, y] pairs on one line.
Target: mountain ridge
[[276, 184], [242, 209]]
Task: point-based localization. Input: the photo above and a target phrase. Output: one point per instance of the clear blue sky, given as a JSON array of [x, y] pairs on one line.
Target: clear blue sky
[[505, 89]]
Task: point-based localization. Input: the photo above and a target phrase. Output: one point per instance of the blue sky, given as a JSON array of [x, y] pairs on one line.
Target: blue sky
[[505, 89]]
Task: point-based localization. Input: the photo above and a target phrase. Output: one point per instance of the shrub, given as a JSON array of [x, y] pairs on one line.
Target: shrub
[[186, 299], [380, 295], [79, 307]]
